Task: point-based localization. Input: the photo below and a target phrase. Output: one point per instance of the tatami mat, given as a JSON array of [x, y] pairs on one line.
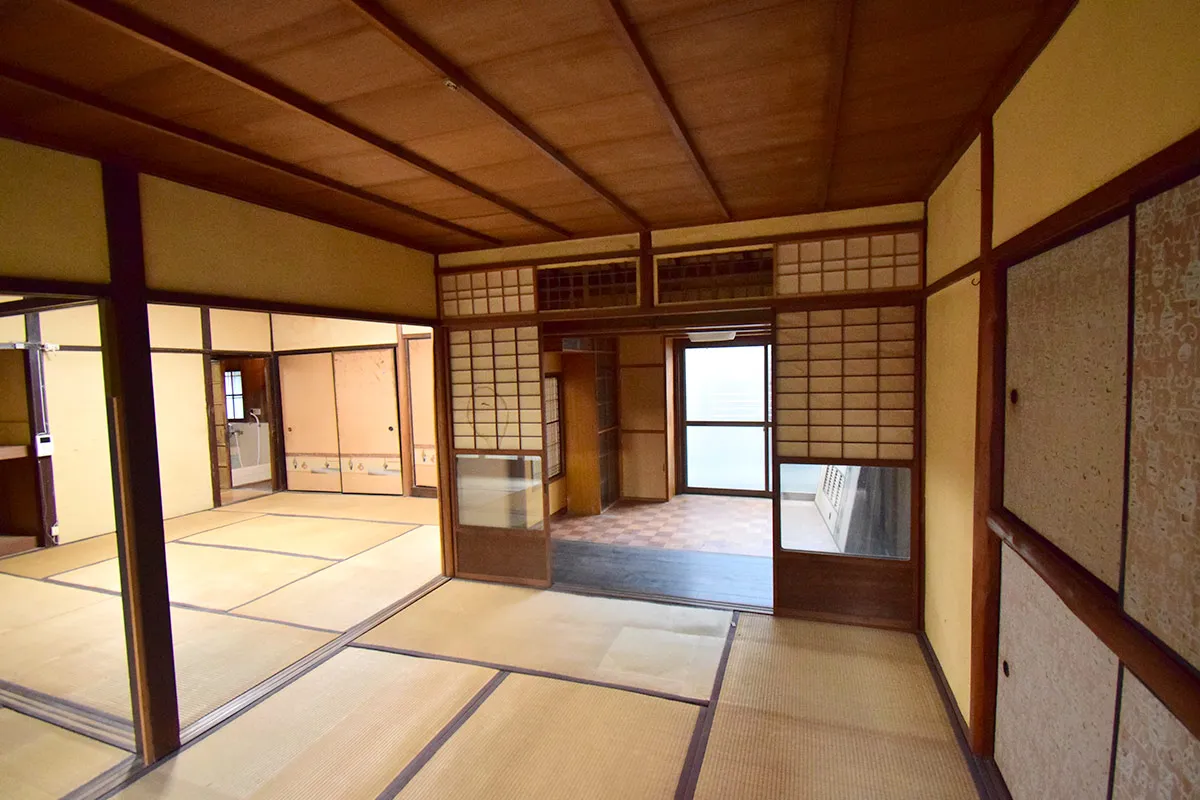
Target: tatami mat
[[78, 654], [39, 761], [346, 729], [210, 577], [542, 738], [345, 594], [64, 557], [304, 536], [667, 649], [376, 508], [829, 711]]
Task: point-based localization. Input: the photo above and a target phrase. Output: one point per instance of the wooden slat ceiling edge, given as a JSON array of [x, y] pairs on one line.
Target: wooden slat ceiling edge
[[169, 41], [843, 25], [458, 79], [624, 28], [72, 94], [1053, 15]]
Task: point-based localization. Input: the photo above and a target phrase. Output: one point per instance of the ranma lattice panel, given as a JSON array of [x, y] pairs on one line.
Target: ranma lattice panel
[[496, 291], [845, 383], [706, 277], [849, 264], [610, 285], [496, 389]]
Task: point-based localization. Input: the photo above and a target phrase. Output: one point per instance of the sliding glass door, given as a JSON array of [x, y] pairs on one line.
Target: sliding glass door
[[726, 418]]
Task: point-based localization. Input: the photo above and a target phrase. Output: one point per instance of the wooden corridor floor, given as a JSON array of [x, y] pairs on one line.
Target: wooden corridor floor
[[486, 691]]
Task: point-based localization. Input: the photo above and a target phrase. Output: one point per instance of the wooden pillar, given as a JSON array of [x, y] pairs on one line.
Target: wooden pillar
[[141, 547], [989, 471], [447, 490], [35, 387], [645, 271]]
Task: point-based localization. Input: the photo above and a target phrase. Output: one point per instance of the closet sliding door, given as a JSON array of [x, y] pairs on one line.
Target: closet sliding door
[[368, 421], [310, 433]]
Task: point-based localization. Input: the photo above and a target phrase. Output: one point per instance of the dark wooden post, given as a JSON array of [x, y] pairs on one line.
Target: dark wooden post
[[125, 331]]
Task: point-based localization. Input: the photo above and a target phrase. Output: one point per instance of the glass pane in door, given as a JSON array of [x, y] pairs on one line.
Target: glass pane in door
[[725, 384], [721, 457]]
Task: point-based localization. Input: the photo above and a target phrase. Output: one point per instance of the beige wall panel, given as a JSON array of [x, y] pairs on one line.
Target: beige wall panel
[[951, 364], [181, 414], [14, 405], [421, 405], [197, 241], [79, 325], [294, 332], [1162, 559], [643, 399], [1115, 85], [1156, 755], [12, 329], [240, 331], [558, 495], [1064, 442], [309, 407], [1054, 710], [416, 330], [593, 246], [954, 217], [175, 327], [647, 349], [644, 466], [51, 215], [778, 226], [78, 417]]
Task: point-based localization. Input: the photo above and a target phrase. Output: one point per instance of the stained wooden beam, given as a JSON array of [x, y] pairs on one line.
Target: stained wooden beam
[[141, 549], [632, 42], [170, 41], [843, 25], [1054, 13], [460, 81], [63, 91]]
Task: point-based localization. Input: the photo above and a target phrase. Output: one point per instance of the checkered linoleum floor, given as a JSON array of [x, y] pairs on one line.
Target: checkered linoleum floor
[[704, 523]]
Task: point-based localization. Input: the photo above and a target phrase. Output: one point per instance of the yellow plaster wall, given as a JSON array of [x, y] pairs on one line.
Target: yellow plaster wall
[[175, 327], [954, 217], [51, 215], [294, 332], [571, 247], [803, 223], [78, 325], [1119, 82], [181, 416], [240, 331]]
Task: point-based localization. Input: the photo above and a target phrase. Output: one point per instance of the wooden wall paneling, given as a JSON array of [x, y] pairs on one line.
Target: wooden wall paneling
[[1064, 433], [834, 588], [141, 549], [443, 420], [1056, 695], [673, 437], [581, 433], [368, 421], [210, 398], [310, 422], [989, 469], [404, 403], [644, 458]]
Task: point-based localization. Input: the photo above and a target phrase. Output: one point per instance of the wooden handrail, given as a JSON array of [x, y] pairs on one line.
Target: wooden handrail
[[1166, 674]]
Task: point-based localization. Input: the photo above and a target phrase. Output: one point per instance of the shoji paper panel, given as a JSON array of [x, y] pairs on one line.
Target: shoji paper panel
[[1064, 440], [497, 291], [845, 383], [1162, 572], [496, 389], [848, 264], [1156, 755], [1055, 707]]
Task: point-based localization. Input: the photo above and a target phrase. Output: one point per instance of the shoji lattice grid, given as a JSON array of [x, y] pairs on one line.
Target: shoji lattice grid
[[849, 264], [613, 284], [496, 291], [846, 383], [496, 389]]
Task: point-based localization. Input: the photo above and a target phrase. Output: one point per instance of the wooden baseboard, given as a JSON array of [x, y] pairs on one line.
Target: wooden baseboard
[[989, 783]]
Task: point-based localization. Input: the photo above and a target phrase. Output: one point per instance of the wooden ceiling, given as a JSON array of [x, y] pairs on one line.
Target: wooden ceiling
[[474, 123]]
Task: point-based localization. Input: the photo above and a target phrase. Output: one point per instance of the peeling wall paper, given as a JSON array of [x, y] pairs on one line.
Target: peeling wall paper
[[1162, 588]]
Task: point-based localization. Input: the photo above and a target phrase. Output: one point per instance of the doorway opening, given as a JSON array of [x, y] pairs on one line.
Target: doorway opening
[[244, 422]]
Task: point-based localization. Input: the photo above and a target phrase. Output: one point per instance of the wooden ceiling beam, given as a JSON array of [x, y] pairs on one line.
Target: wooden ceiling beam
[[1054, 13], [842, 28], [66, 92], [457, 79], [626, 31], [170, 41]]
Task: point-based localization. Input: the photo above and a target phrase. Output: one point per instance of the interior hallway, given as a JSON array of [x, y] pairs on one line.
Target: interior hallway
[[255, 587], [482, 690]]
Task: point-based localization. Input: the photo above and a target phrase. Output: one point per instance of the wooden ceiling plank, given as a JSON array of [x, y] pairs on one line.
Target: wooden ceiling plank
[[459, 80], [632, 42], [843, 26], [63, 91], [168, 40], [1053, 15]]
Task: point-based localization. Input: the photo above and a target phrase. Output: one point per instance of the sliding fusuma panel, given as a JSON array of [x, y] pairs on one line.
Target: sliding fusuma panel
[[499, 454]]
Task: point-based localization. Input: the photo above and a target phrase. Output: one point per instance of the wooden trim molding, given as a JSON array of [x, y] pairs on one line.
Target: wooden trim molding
[[167, 40], [1172, 680], [953, 277]]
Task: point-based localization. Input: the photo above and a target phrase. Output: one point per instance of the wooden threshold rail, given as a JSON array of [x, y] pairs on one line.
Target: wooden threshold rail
[[1176, 684]]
